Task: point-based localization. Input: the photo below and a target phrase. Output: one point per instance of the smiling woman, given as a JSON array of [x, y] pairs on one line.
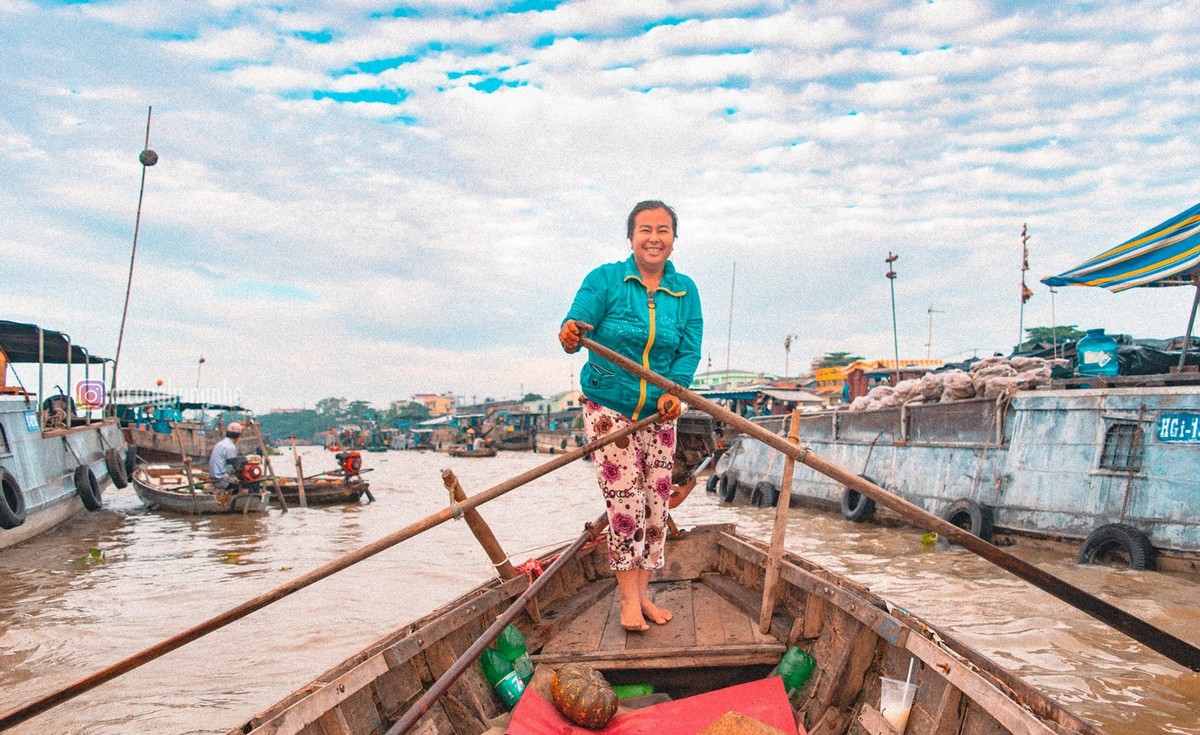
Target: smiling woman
[[647, 311]]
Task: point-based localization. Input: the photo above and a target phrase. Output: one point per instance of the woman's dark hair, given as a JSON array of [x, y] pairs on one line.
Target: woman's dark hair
[[650, 204]]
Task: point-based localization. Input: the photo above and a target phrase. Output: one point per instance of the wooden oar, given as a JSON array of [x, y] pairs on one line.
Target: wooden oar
[[1174, 648], [456, 669], [23, 713], [299, 476], [778, 532], [187, 468]]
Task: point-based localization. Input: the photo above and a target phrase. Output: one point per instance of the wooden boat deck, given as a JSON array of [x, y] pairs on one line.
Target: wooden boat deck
[[707, 630]]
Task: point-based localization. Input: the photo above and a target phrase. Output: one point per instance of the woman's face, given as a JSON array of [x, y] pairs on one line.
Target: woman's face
[[653, 239]]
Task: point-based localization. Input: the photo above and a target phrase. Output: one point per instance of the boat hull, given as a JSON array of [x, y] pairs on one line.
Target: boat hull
[[189, 438], [43, 465], [169, 492], [332, 493], [1054, 464], [464, 452]]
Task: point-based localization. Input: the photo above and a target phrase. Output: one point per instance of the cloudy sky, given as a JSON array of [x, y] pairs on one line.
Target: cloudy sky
[[372, 199]]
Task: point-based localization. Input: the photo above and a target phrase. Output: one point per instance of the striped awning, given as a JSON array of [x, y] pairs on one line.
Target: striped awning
[[1166, 255]]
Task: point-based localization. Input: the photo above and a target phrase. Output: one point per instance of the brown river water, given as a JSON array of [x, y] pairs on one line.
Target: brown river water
[[106, 585]]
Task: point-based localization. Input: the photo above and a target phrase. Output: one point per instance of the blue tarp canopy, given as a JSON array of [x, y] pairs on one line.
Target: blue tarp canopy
[[1167, 254]]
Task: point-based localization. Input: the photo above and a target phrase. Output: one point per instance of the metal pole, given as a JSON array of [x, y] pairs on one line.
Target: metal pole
[[147, 158], [41, 367], [1025, 292], [67, 387], [729, 337], [891, 275], [1187, 338], [1053, 323]]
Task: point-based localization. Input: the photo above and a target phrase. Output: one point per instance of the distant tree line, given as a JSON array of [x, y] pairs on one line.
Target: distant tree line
[[333, 412]]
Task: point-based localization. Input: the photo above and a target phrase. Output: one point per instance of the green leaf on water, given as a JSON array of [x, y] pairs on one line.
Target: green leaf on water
[[95, 556]]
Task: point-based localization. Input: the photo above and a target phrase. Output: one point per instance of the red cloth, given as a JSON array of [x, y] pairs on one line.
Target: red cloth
[[763, 700]]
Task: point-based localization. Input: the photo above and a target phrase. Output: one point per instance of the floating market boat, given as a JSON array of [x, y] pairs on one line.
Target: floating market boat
[[1110, 470], [164, 428], [173, 489], [323, 489], [54, 459], [712, 658], [465, 451]]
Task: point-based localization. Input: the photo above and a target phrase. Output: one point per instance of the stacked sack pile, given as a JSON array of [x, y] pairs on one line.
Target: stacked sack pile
[[992, 377]]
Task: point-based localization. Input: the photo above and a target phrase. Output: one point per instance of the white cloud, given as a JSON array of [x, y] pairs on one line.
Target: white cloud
[[442, 237]]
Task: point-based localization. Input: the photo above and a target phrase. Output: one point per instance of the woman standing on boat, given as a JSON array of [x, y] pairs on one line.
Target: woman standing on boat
[[645, 310]]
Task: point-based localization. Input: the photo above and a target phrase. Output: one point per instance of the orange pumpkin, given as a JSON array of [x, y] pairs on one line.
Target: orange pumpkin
[[582, 694]]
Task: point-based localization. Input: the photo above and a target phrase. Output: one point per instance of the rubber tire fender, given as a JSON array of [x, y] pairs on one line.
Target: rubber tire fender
[[856, 507], [728, 487], [971, 516], [116, 468], [12, 501], [130, 461], [711, 485], [1112, 535], [87, 487], [764, 493]]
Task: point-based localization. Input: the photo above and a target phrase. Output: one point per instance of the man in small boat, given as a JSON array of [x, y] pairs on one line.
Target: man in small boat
[[645, 310], [222, 454]]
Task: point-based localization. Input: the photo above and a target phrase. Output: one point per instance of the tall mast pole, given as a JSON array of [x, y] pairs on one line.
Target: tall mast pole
[[929, 339], [147, 158], [1025, 292], [891, 275], [729, 337]]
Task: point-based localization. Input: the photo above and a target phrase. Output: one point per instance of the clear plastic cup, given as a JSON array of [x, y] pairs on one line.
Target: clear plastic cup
[[895, 701]]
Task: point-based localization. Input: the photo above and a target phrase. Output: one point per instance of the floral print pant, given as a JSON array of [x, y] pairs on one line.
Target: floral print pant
[[635, 477]]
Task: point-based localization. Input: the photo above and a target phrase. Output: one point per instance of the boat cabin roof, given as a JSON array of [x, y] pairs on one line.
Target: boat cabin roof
[[137, 397], [21, 344]]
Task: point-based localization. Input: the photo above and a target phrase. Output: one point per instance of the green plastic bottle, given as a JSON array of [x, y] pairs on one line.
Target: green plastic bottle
[[499, 673], [511, 645], [628, 691], [796, 667]]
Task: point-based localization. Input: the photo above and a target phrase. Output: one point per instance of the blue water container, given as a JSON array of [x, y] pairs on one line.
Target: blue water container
[[1096, 354]]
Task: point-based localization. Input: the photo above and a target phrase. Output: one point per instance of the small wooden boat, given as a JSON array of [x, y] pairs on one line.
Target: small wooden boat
[[466, 451], [166, 487], [321, 490], [714, 582]]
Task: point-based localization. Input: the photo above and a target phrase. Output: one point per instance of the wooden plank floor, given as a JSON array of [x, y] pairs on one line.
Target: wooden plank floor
[[707, 630]]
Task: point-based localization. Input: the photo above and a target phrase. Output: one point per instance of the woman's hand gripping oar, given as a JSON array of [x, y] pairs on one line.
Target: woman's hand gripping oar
[[1174, 648]]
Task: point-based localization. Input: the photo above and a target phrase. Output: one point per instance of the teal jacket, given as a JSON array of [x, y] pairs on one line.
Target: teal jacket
[[663, 334]]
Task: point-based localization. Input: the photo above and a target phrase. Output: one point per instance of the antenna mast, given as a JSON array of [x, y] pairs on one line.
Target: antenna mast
[[147, 158]]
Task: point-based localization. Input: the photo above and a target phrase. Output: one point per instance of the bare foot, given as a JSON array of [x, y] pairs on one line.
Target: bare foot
[[633, 621], [659, 615]]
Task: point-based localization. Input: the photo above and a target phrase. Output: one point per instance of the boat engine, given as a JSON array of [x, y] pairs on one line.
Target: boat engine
[[350, 462], [247, 469]]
